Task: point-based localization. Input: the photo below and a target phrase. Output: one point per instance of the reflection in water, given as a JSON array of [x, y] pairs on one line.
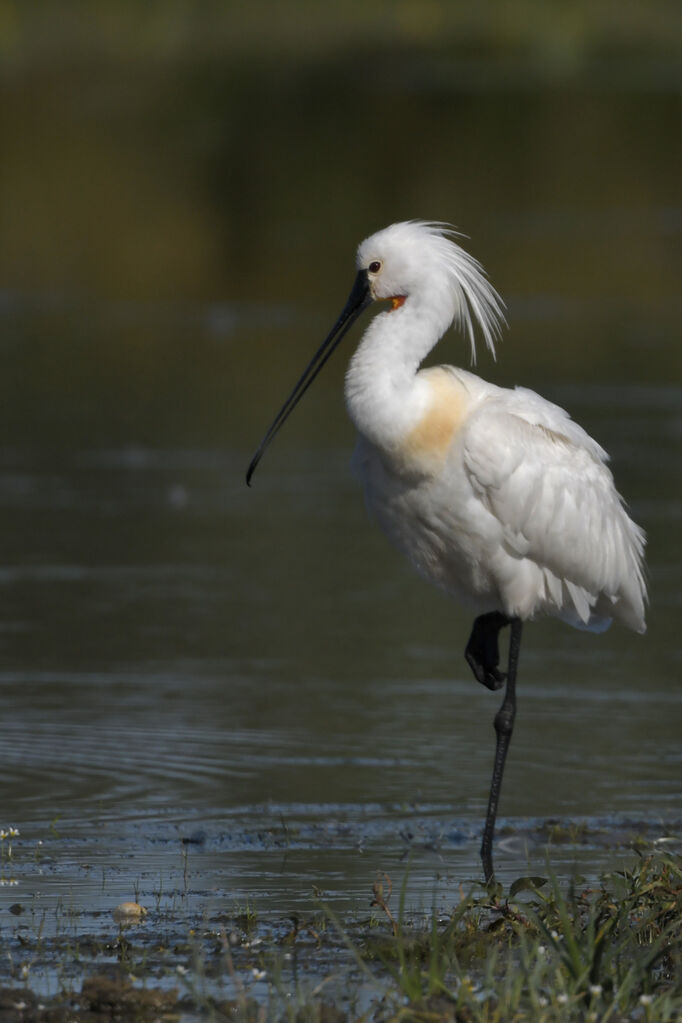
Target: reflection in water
[[179, 653]]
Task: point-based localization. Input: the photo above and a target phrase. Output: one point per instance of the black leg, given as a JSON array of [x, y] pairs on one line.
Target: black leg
[[482, 651], [504, 725]]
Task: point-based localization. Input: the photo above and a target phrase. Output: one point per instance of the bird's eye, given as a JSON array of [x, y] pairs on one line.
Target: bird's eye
[[375, 266]]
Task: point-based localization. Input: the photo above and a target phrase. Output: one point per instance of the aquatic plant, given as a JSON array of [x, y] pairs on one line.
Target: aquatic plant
[[541, 951], [606, 951]]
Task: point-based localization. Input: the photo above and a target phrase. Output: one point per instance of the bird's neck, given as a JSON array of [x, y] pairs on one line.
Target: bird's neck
[[383, 393]]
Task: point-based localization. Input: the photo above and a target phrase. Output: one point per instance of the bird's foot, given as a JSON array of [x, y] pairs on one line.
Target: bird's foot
[[483, 652], [487, 673]]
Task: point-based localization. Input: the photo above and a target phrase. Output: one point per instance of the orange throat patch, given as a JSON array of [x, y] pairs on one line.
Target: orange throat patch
[[397, 301]]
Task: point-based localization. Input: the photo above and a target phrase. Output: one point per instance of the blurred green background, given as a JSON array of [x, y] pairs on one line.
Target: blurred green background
[[183, 185]]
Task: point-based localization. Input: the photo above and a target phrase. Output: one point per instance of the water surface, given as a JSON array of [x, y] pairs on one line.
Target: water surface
[[255, 672]]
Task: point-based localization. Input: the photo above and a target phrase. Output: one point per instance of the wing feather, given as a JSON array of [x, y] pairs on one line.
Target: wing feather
[[546, 482]]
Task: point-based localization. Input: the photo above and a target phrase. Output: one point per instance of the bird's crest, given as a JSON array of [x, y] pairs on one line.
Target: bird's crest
[[478, 301]]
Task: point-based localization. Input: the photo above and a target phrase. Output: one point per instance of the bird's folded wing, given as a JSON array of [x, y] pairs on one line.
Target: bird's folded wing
[[546, 482]]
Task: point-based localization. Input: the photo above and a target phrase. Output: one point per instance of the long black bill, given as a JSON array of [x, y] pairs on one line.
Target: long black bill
[[359, 298]]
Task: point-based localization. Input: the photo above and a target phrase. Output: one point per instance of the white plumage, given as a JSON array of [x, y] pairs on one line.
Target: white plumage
[[494, 495]]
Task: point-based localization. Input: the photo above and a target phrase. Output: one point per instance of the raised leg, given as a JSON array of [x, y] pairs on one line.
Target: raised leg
[[482, 651], [504, 725]]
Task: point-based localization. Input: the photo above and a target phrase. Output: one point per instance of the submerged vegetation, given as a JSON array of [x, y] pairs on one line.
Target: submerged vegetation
[[543, 951]]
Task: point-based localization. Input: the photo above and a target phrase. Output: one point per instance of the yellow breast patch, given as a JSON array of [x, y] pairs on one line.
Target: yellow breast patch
[[430, 439]]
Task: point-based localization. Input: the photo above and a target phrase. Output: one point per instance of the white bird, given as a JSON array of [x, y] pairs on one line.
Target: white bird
[[495, 495]]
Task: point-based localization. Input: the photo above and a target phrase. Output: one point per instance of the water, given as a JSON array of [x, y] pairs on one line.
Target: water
[[253, 670], [229, 696]]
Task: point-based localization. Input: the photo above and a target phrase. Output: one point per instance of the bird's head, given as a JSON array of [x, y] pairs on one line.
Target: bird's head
[[419, 261], [416, 265]]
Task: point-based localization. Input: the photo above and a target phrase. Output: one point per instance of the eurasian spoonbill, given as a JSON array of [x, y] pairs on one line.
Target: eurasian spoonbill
[[494, 495]]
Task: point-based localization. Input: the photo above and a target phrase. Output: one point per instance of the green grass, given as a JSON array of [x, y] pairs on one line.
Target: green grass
[[543, 951], [609, 951]]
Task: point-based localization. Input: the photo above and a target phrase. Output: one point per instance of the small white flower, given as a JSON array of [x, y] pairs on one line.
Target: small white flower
[[555, 935], [258, 974], [20, 1006], [562, 998], [3, 835], [595, 989], [646, 999], [542, 1001], [541, 950], [13, 832], [24, 971], [182, 970]]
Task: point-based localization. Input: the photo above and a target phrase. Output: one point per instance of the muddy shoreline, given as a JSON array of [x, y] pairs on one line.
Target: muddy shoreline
[[170, 954]]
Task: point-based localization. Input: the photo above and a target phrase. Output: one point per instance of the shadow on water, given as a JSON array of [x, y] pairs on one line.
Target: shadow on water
[[249, 680]]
